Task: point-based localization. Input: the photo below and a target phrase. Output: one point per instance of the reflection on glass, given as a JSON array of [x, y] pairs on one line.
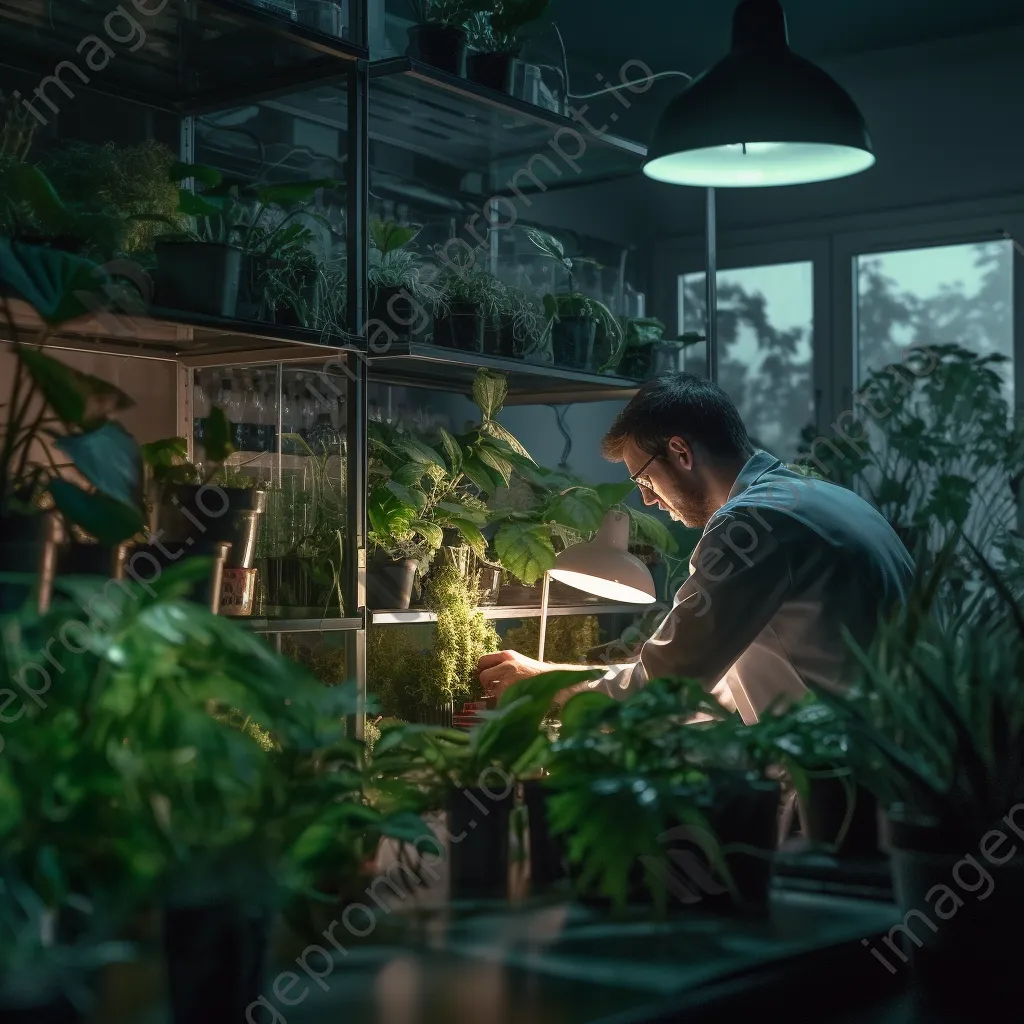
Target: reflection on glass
[[765, 347]]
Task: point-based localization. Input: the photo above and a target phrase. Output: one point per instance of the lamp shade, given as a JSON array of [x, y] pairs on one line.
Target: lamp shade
[[761, 116], [604, 566]]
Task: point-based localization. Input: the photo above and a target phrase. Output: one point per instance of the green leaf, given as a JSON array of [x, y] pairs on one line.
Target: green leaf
[[286, 193], [480, 474], [27, 184], [430, 532], [581, 709], [77, 398], [165, 453], [451, 449], [489, 392], [416, 450], [109, 459], [57, 285], [193, 205], [217, 434], [612, 494], [501, 466], [653, 531], [409, 475], [579, 508], [410, 497], [180, 171], [386, 236], [471, 534], [525, 550], [548, 244], [109, 521]]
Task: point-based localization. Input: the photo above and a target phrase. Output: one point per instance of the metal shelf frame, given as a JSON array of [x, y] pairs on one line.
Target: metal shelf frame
[[515, 129]]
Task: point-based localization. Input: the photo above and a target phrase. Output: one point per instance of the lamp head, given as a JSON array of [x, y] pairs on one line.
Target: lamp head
[[604, 566], [761, 116]]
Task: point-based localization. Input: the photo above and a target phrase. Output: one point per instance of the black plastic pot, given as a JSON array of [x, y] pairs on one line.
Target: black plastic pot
[[547, 854], [145, 563], [572, 342], [88, 560], [441, 46], [198, 277], [389, 584], [395, 310], [215, 961], [835, 802], [499, 337], [962, 939], [209, 512], [460, 328], [478, 821], [493, 70], [745, 815]]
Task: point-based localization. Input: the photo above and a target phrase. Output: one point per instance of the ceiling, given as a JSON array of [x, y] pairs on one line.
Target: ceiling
[[688, 35]]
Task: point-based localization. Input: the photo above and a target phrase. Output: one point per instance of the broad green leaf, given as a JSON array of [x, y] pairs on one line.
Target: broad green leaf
[[547, 685], [452, 449], [430, 532], [448, 510], [525, 550], [489, 392], [77, 398], [495, 429], [109, 521], [109, 459], [580, 508], [471, 534], [653, 531], [501, 466], [409, 475], [480, 474], [57, 285], [387, 236], [193, 205], [409, 496], [27, 184], [217, 434], [416, 450], [389, 517], [581, 709], [612, 494]]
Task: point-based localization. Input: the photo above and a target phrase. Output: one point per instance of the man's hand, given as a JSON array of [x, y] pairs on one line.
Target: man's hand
[[501, 670]]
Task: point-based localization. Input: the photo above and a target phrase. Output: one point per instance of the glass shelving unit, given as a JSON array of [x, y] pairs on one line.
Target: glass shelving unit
[[278, 90]]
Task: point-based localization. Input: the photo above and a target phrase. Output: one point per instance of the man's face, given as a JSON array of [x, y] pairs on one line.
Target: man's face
[[672, 482]]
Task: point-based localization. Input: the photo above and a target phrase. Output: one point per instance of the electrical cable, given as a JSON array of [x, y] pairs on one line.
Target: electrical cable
[[560, 412]]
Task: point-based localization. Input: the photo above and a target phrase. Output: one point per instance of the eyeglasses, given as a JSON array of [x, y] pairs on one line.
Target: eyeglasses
[[635, 477]]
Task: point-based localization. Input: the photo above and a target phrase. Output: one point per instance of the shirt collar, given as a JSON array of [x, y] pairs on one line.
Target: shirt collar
[[756, 466]]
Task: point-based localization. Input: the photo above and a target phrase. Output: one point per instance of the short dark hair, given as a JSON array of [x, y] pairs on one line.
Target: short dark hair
[[683, 405]]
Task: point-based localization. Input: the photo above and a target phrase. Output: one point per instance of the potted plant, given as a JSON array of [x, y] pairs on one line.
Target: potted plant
[[619, 787], [438, 34], [473, 775], [212, 781], [496, 36], [208, 511], [58, 412], [400, 292], [935, 734], [573, 319], [201, 269]]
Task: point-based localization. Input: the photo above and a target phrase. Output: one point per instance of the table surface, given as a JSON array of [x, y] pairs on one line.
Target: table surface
[[558, 963]]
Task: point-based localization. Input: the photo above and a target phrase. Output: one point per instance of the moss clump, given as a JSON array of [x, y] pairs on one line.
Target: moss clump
[[568, 639], [462, 637]]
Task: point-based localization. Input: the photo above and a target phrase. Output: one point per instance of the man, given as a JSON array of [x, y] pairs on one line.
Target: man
[[785, 561]]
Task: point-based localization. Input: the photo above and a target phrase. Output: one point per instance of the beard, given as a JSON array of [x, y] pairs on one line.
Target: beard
[[686, 505]]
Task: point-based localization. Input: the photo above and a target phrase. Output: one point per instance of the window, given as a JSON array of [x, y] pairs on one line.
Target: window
[[960, 294], [765, 347], [939, 434]]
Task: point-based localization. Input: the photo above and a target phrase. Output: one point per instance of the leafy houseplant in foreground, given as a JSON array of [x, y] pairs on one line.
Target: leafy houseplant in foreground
[[401, 292], [936, 725], [145, 784]]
